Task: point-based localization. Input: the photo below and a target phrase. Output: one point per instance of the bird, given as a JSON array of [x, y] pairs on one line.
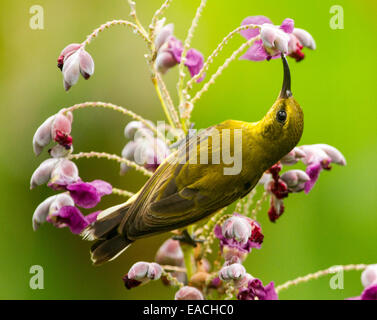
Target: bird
[[183, 191]]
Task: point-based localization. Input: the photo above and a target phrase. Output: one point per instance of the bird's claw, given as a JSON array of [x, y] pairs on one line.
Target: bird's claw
[[186, 238]]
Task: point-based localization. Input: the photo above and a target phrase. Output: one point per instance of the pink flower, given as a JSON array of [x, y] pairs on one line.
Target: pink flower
[[275, 39], [50, 206], [74, 60], [57, 128], [88, 194], [292, 157], [144, 149], [256, 290], [319, 157], [170, 253], [189, 293], [141, 273], [57, 172], [235, 271], [295, 180], [235, 228], [70, 216], [169, 52]]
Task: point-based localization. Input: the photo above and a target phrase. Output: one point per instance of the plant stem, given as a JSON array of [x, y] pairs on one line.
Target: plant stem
[[318, 274], [104, 155], [167, 113], [123, 193], [109, 24]]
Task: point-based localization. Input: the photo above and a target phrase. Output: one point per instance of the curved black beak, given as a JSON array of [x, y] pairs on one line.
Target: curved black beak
[[286, 89]]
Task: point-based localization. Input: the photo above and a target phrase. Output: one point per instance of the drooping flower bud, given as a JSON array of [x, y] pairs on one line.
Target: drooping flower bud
[[170, 253], [56, 127], [295, 180], [72, 61], [237, 227], [369, 276], [66, 52], [63, 174], [43, 173], [61, 129], [50, 206], [234, 271], [188, 293], [292, 157], [141, 273]]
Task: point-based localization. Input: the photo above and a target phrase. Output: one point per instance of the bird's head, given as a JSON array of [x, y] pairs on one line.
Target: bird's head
[[283, 124]]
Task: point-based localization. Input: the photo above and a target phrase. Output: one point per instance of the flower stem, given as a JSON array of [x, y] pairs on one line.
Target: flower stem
[[164, 107], [123, 193], [186, 47], [217, 51], [104, 155], [258, 206], [109, 24], [156, 16], [173, 280], [114, 107], [221, 68], [318, 274]]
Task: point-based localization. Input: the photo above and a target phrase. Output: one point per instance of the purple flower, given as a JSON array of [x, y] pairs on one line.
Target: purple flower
[[141, 273], [231, 246], [369, 293], [169, 53], [57, 128], [255, 290], [88, 194], [72, 61], [70, 216], [275, 39], [50, 206], [188, 293], [369, 281], [318, 157]]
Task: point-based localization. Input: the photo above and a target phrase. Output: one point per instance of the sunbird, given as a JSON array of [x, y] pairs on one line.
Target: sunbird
[[183, 190]]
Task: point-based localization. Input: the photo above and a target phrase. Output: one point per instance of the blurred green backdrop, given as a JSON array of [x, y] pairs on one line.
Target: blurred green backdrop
[[334, 224]]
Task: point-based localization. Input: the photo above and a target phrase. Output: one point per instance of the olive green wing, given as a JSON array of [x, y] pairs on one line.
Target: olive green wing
[[181, 192]]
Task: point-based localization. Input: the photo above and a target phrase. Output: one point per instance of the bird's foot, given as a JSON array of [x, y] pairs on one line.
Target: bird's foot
[[186, 238]]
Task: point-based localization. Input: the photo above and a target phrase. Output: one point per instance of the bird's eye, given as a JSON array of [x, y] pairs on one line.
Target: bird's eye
[[281, 116]]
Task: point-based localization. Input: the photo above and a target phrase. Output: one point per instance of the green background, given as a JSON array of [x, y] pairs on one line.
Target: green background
[[334, 224]]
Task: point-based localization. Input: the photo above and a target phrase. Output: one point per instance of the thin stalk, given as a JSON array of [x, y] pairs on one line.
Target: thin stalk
[[186, 47], [221, 68], [109, 24], [318, 274], [108, 156], [164, 107]]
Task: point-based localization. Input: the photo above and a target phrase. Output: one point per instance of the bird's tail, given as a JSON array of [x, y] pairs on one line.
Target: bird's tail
[[110, 244]]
